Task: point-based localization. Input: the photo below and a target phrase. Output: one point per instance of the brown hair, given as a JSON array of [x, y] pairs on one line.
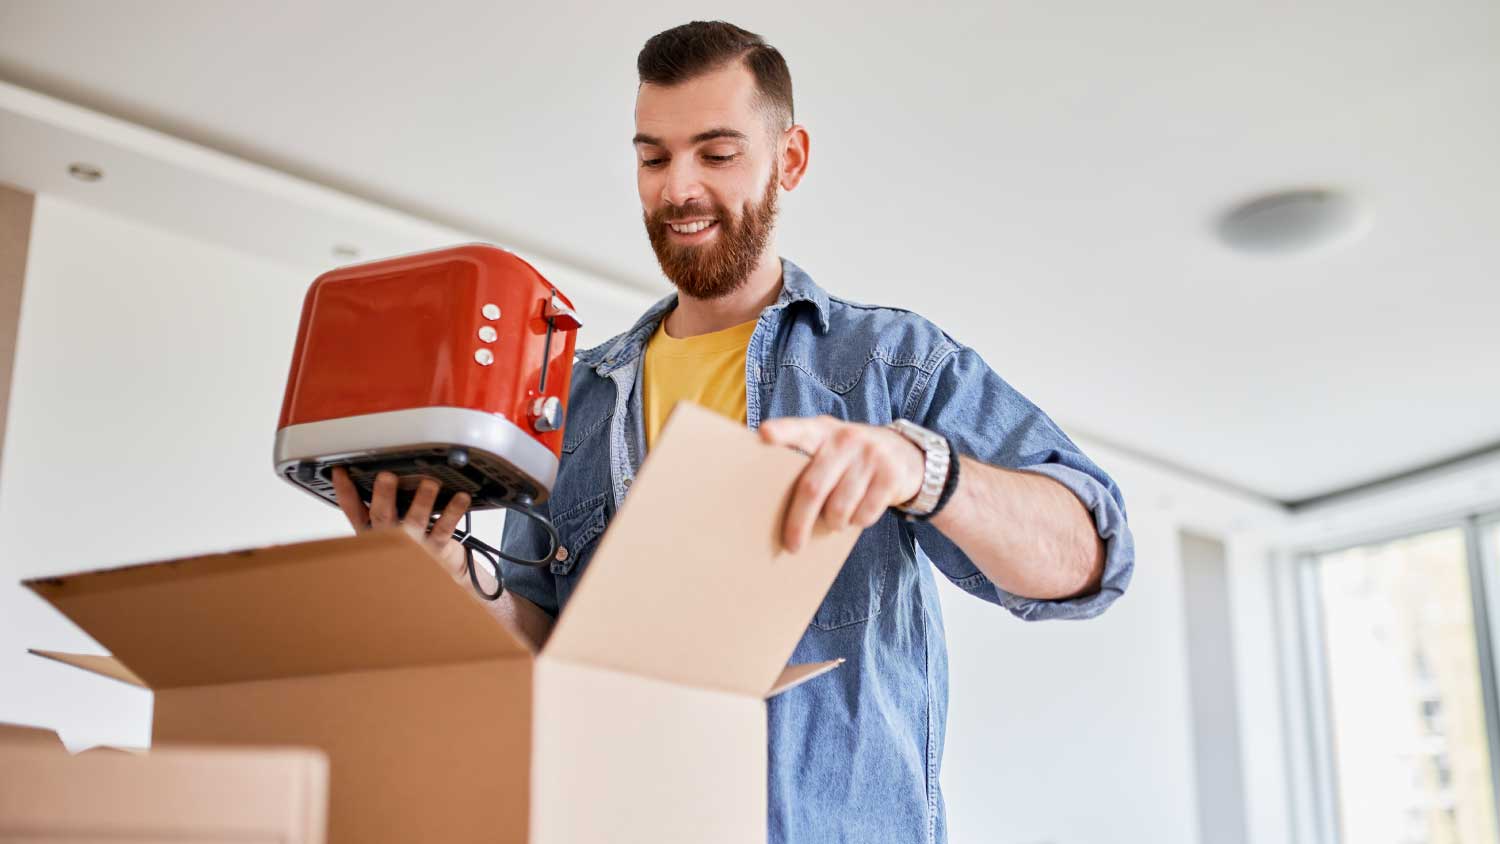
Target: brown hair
[[686, 51]]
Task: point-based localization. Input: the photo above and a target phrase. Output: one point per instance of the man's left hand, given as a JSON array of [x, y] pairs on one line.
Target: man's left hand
[[857, 472]]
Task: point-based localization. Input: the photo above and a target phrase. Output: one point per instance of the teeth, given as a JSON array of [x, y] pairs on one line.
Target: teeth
[[691, 228]]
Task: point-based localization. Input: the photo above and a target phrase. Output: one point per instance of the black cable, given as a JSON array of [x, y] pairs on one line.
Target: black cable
[[472, 545]]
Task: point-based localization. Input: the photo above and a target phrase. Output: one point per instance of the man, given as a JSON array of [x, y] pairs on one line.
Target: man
[[978, 483]]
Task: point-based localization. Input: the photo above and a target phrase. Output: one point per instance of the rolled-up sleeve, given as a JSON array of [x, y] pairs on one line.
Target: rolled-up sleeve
[[521, 537], [990, 421]]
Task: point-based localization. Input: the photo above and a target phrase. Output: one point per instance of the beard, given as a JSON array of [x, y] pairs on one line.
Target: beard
[[718, 268]]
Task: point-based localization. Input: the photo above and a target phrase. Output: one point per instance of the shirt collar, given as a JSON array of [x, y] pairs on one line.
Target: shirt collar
[[796, 286]]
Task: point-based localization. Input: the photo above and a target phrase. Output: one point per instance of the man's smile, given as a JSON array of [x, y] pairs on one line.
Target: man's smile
[[693, 231]]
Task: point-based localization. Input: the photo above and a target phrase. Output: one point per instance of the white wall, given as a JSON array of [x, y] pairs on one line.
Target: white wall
[[1076, 732], [144, 406], [148, 382]]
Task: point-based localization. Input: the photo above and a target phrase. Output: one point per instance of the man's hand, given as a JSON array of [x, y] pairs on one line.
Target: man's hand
[[857, 471], [382, 513]]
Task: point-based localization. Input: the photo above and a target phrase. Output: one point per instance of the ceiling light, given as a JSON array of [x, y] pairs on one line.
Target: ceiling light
[[344, 250], [1290, 221], [85, 172]]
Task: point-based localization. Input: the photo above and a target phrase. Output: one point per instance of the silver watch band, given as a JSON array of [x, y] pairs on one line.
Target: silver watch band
[[934, 470]]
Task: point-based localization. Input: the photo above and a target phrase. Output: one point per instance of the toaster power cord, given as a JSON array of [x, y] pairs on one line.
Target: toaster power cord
[[473, 545]]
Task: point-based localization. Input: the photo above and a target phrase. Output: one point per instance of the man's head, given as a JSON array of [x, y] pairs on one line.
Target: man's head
[[715, 142]]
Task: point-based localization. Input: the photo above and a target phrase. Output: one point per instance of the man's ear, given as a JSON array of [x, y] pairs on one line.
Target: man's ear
[[793, 153]]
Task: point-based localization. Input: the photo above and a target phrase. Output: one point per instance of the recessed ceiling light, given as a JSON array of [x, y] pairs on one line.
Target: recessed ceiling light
[[344, 250], [1290, 221], [85, 172]]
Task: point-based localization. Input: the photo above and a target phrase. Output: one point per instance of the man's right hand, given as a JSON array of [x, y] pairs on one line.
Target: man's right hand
[[382, 513]]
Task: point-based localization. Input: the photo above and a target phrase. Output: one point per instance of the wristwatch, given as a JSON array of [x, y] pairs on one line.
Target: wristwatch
[[934, 471]]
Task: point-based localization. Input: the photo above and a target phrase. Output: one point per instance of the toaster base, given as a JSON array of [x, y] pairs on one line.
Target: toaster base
[[483, 454]]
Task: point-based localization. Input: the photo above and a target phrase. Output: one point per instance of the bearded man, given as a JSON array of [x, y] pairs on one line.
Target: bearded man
[[912, 436]]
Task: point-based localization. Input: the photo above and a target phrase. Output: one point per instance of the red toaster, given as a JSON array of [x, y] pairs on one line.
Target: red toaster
[[452, 364]]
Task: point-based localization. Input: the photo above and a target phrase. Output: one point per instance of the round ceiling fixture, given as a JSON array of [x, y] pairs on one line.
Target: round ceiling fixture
[[85, 172], [1290, 221]]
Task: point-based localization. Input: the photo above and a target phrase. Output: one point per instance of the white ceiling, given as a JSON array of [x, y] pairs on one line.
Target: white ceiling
[[1040, 179]]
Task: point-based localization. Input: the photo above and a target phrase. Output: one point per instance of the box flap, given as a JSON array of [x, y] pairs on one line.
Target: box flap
[[108, 666], [795, 675], [34, 736], [373, 600], [690, 582]]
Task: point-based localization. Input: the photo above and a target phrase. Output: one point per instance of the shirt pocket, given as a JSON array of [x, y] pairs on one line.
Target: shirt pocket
[[855, 596], [578, 530]]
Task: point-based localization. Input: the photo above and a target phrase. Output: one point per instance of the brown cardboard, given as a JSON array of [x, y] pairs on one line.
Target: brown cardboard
[[706, 543], [672, 763], [197, 795], [796, 675], [32, 736], [106, 665], [16, 207], [431, 753], [642, 718], [281, 611]]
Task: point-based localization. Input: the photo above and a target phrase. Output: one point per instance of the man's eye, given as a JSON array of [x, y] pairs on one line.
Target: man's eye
[[653, 162], [719, 159]]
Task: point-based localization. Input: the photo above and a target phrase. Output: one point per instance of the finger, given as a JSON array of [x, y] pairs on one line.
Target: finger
[[812, 489], [879, 497], [443, 529], [383, 500], [349, 500], [848, 495], [420, 512], [807, 434], [441, 539]]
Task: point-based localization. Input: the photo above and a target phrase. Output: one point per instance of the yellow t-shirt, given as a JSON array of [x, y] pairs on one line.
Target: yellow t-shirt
[[708, 369]]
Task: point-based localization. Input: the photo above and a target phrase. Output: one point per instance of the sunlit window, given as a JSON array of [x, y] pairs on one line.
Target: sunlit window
[[1410, 749]]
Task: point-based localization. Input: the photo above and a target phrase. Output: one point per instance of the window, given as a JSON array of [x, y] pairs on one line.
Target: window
[[1400, 649]]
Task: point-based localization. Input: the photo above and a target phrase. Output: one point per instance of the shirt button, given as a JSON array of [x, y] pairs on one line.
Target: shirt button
[[627, 482], [562, 553]]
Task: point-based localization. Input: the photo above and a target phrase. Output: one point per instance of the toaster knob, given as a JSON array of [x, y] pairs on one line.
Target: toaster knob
[[548, 413]]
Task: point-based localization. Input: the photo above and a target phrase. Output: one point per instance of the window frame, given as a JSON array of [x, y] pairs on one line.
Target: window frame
[[1482, 559]]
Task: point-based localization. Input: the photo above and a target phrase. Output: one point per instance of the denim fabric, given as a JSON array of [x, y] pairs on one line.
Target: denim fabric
[[854, 755]]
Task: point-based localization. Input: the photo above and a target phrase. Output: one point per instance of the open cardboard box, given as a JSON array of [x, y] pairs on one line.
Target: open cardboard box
[[641, 719]]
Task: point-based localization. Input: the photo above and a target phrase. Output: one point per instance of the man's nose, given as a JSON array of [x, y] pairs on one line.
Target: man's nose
[[682, 185]]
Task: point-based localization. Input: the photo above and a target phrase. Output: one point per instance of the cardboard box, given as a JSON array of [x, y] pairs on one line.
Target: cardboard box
[[33, 736], [641, 719], [196, 795]]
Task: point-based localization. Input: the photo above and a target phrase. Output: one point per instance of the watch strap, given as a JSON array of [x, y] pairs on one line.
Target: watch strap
[[948, 487], [937, 456]]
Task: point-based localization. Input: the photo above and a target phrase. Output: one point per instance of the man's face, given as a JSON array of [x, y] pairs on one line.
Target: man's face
[[707, 173]]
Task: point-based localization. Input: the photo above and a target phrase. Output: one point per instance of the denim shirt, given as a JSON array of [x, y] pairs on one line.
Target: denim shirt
[[855, 754]]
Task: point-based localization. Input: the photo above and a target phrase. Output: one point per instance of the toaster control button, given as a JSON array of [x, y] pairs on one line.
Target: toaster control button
[[491, 311], [487, 333], [548, 413], [484, 357]]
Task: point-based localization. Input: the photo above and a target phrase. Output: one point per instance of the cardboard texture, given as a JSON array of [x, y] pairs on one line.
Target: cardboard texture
[[641, 719], [183, 795]]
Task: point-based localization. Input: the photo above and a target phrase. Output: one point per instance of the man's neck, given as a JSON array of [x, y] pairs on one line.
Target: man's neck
[[693, 316]]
